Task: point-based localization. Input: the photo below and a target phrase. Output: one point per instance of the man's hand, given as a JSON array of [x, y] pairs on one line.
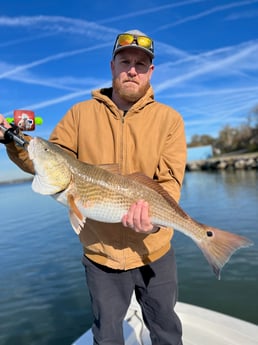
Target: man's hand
[[4, 123], [137, 218]]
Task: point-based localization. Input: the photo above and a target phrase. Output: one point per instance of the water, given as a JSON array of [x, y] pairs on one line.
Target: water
[[43, 295]]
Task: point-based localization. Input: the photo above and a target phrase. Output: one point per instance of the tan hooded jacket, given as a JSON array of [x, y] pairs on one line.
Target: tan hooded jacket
[[149, 138]]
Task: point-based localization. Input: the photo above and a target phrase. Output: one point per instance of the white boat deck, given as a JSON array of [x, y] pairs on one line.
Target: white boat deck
[[200, 327]]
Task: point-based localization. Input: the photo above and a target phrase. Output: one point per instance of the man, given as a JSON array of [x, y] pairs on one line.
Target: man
[[125, 125]]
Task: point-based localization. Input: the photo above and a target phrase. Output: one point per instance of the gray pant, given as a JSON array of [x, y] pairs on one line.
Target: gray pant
[[155, 287]]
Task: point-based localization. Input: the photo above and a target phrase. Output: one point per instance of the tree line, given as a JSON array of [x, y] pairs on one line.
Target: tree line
[[242, 138]]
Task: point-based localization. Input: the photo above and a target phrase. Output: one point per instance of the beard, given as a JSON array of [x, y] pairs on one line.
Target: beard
[[129, 94]]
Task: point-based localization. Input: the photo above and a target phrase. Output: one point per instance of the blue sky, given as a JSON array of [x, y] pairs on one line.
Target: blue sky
[[53, 53]]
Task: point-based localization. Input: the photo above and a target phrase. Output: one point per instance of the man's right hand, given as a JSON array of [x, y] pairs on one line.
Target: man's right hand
[[4, 123]]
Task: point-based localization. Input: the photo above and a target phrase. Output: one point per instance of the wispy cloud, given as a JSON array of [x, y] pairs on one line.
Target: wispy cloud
[[61, 99], [148, 11], [207, 13], [26, 39], [218, 62], [215, 92], [242, 15], [69, 83], [60, 24], [220, 85], [52, 58]]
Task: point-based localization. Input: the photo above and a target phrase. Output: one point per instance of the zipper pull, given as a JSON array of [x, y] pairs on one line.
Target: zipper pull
[[123, 117]]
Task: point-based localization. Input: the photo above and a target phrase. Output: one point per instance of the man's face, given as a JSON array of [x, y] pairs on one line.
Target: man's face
[[131, 72]]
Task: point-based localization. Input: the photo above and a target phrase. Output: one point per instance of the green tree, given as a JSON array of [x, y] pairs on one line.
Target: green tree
[[230, 139], [201, 140]]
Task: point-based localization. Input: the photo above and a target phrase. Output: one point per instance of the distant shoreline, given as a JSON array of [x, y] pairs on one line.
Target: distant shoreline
[[245, 161], [16, 181]]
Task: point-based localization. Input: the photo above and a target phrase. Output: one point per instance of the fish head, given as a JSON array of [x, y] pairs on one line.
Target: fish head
[[52, 173]]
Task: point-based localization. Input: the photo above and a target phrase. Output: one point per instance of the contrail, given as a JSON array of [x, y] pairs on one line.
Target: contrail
[[52, 58], [148, 10], [206, 13], [208, 67], [61, 99]]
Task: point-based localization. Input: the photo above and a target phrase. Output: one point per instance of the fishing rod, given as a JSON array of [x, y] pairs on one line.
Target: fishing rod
[[22, 120]]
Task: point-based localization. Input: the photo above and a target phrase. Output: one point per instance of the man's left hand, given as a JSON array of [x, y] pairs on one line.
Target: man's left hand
[[137, 218]]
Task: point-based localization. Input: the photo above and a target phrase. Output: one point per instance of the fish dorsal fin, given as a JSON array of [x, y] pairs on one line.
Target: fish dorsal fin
[[113, 168], [149, 182]]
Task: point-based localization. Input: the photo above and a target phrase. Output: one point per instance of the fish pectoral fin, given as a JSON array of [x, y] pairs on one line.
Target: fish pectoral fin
[[77, 220], [77, 223], [113, 168]]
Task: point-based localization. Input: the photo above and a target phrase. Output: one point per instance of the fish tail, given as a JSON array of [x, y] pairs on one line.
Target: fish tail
[[219, 245]]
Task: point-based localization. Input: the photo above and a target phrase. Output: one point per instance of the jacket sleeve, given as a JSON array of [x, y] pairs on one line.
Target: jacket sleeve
[[20, 156], [65, 133], [171, 167]]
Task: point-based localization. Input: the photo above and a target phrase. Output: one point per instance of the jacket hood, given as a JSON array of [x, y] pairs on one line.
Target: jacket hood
[[104, 95]]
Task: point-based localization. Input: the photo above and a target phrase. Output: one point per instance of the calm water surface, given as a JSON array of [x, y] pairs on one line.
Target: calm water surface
[[43, 294]]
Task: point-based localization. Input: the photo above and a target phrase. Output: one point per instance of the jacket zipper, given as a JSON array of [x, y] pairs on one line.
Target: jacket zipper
[[122, 162]]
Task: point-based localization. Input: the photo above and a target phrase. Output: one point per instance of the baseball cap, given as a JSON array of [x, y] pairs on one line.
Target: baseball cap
[[134, 39]]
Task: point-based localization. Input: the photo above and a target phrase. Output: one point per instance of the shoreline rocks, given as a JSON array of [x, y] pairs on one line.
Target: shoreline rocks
[[228, 162]]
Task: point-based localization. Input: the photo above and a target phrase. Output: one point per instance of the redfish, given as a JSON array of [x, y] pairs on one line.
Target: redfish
[[102, 194]]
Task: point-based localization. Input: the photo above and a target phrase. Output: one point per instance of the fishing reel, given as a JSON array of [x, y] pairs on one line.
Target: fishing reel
[[22, 120]]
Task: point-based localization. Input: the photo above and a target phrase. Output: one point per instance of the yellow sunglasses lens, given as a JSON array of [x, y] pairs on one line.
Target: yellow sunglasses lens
[[125, 40], [144, 41]]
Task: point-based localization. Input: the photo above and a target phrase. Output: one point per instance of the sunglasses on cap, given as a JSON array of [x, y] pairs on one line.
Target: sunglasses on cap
[[124, 40]]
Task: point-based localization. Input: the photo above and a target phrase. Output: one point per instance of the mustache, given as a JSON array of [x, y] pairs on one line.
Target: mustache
[[131, 79]]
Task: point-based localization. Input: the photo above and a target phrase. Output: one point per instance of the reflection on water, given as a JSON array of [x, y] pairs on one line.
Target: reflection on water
[[43, 297], [218, 197], [227, 200]]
